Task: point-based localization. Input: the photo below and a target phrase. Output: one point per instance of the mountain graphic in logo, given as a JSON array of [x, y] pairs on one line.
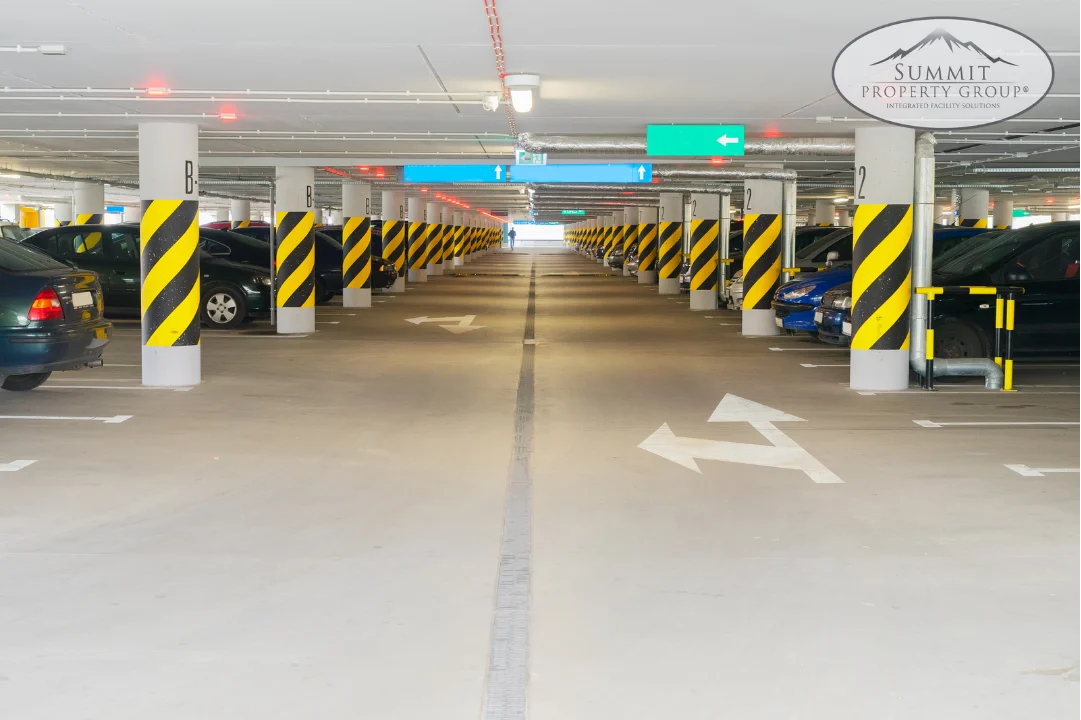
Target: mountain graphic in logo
[[951, 43]]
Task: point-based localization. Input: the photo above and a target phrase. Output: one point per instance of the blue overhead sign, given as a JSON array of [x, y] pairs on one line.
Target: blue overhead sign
[[114, 209], [454, 173], [610, 173]]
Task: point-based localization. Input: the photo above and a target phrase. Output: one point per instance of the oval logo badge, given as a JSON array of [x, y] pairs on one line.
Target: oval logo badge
[[942, 73]]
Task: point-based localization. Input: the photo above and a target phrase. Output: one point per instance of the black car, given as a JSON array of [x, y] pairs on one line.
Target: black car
[[335, 232], [231, 292], [245, 249], [1041, 259], [50, 317], [328, 261]]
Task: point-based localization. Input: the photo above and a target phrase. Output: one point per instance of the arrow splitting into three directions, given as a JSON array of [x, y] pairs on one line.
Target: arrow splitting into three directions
[[464, 323], [782, 452]]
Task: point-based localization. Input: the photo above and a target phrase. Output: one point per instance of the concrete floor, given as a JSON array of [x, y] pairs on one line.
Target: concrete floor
[[315, 531]]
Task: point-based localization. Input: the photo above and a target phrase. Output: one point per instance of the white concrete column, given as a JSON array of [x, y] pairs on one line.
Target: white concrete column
[[844, 217], [881, 263], [417, 240], [435, 238], [89, 203], [11, 212], [763, 203], [705, 230], [1003, 214], [824, 209], [240, 213], [460, 229], [357, 245], [171, 296], [295, 218], [647, 245], [62, 213], [336, 216], [395, 229], [1060, 216], [669, 243], [221, 215], [975, 206], [133, 214]]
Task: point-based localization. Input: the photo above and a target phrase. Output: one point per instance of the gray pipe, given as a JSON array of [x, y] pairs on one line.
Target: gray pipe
[[725, 237], [923, 218], [623, 187], [788, 227], [636, 145], [686, 173]]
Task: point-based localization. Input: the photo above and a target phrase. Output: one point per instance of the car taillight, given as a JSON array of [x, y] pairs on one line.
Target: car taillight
[[46, 306]]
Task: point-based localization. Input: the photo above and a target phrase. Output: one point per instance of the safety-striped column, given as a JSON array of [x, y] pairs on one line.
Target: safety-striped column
[[294, 220], [394, 231], [417, 241], [89, 210], [170, 300], [881, 260], [221, 215], [824, 209], [647, 245], [762, 220], [357, 245], [629, 235], [133, 214], [1003, 214], [669, 243], [844, 217], [975, 206], [457, 244], [705, 215], [434, 235], [608, 235], [62, 213], [240, 213], [447, 239]]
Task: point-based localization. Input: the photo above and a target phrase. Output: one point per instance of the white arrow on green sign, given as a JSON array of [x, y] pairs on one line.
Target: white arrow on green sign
[[694, 140]]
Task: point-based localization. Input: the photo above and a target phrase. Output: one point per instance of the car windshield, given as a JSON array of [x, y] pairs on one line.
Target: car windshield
[[26, 258], [225, 237], [13, 232], [981, 252], [822, 243]]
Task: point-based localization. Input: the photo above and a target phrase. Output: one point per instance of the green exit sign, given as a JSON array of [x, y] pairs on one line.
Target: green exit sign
[[694, 140], [573, 212]]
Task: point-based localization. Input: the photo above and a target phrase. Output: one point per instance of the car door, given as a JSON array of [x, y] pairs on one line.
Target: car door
[[1047, 314], [122, 252]]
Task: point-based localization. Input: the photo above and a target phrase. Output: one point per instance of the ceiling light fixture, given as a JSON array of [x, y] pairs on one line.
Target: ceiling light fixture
[[490, 102], [521, 87], [42, 49]]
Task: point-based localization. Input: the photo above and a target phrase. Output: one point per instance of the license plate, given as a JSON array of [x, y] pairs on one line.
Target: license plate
[[779, 321], [846, 328], [818, 317], [82, 299]]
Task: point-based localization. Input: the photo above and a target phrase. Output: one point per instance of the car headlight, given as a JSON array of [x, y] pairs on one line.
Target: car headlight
[[846, 302], [261, 280], [798, 293]]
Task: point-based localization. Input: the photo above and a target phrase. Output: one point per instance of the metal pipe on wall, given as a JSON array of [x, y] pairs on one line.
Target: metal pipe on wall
[[788, 228], [636, 145]]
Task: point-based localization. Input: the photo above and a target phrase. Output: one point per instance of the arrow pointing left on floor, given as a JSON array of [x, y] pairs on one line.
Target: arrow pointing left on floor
[[782, 452], [463, 324]]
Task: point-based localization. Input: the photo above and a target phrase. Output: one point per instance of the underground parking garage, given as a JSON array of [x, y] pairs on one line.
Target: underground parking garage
[[539, 362]]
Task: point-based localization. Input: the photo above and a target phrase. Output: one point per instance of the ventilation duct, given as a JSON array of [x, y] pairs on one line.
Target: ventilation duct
[[636, 145]]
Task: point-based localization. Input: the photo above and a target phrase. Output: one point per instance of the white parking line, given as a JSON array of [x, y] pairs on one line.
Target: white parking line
[[994, 423], [15, 465], [1039, 472], [115, 419], [113, 387], [774, 349], [336, 315], [812, 365], [327, 322]]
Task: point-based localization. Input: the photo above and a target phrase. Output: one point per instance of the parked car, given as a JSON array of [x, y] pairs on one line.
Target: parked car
[[631, 263], [246, 249], [231, 292], [50, 317], [227, 225], [328, 261], [335, 232], [735, 253], [812, 252], [615, 259], [794, 302], [833, 317], [11, 231]]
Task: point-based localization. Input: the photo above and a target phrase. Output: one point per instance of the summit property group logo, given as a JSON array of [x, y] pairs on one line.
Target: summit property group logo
[[941, 73]]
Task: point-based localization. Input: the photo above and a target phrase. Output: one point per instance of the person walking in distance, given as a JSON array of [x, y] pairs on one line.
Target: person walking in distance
[[512, 234]]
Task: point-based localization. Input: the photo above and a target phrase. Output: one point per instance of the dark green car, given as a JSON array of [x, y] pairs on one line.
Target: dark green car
[[231, 292]]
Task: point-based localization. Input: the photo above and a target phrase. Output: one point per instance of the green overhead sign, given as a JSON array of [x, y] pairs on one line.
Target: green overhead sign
[[573, 212], [1020, 212], [694, 140]]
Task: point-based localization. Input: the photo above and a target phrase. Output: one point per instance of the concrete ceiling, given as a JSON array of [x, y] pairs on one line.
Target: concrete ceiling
[[606, 67]]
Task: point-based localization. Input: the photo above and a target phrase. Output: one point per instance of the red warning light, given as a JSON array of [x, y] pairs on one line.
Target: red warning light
[[380, 172], [363, 168], [158, 91], [1049, 200], [771, 132], [717, 161], [424, 189], [227, 115]]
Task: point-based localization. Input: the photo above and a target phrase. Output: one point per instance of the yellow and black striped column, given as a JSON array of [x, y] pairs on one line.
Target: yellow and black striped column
[[975, 206], [881, 258], [394, 230], [824, 210], [294, 221], [458, 240], [669, 243], [763, 220], [1002, 214], [62, 214], [417, 241], [434, 235], [629, 235], [89, 210], [647, 245], [448, 239], [171, 305], [608, 236], [356, 245], [89, 242], [239, 213], [705, 212]]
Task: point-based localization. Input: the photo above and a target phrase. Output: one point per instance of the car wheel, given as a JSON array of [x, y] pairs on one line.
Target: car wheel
[[322, 295], [959, 339], [18, 383], [224, 308]]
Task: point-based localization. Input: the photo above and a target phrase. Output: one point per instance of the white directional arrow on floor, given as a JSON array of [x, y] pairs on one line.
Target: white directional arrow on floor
[[463, 323], [16, 465], [782, 452]]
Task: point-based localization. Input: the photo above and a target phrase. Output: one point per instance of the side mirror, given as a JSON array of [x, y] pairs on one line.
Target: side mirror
[[832, 256]]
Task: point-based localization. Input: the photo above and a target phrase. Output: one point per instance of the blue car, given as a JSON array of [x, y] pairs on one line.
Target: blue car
[[795, 302]]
